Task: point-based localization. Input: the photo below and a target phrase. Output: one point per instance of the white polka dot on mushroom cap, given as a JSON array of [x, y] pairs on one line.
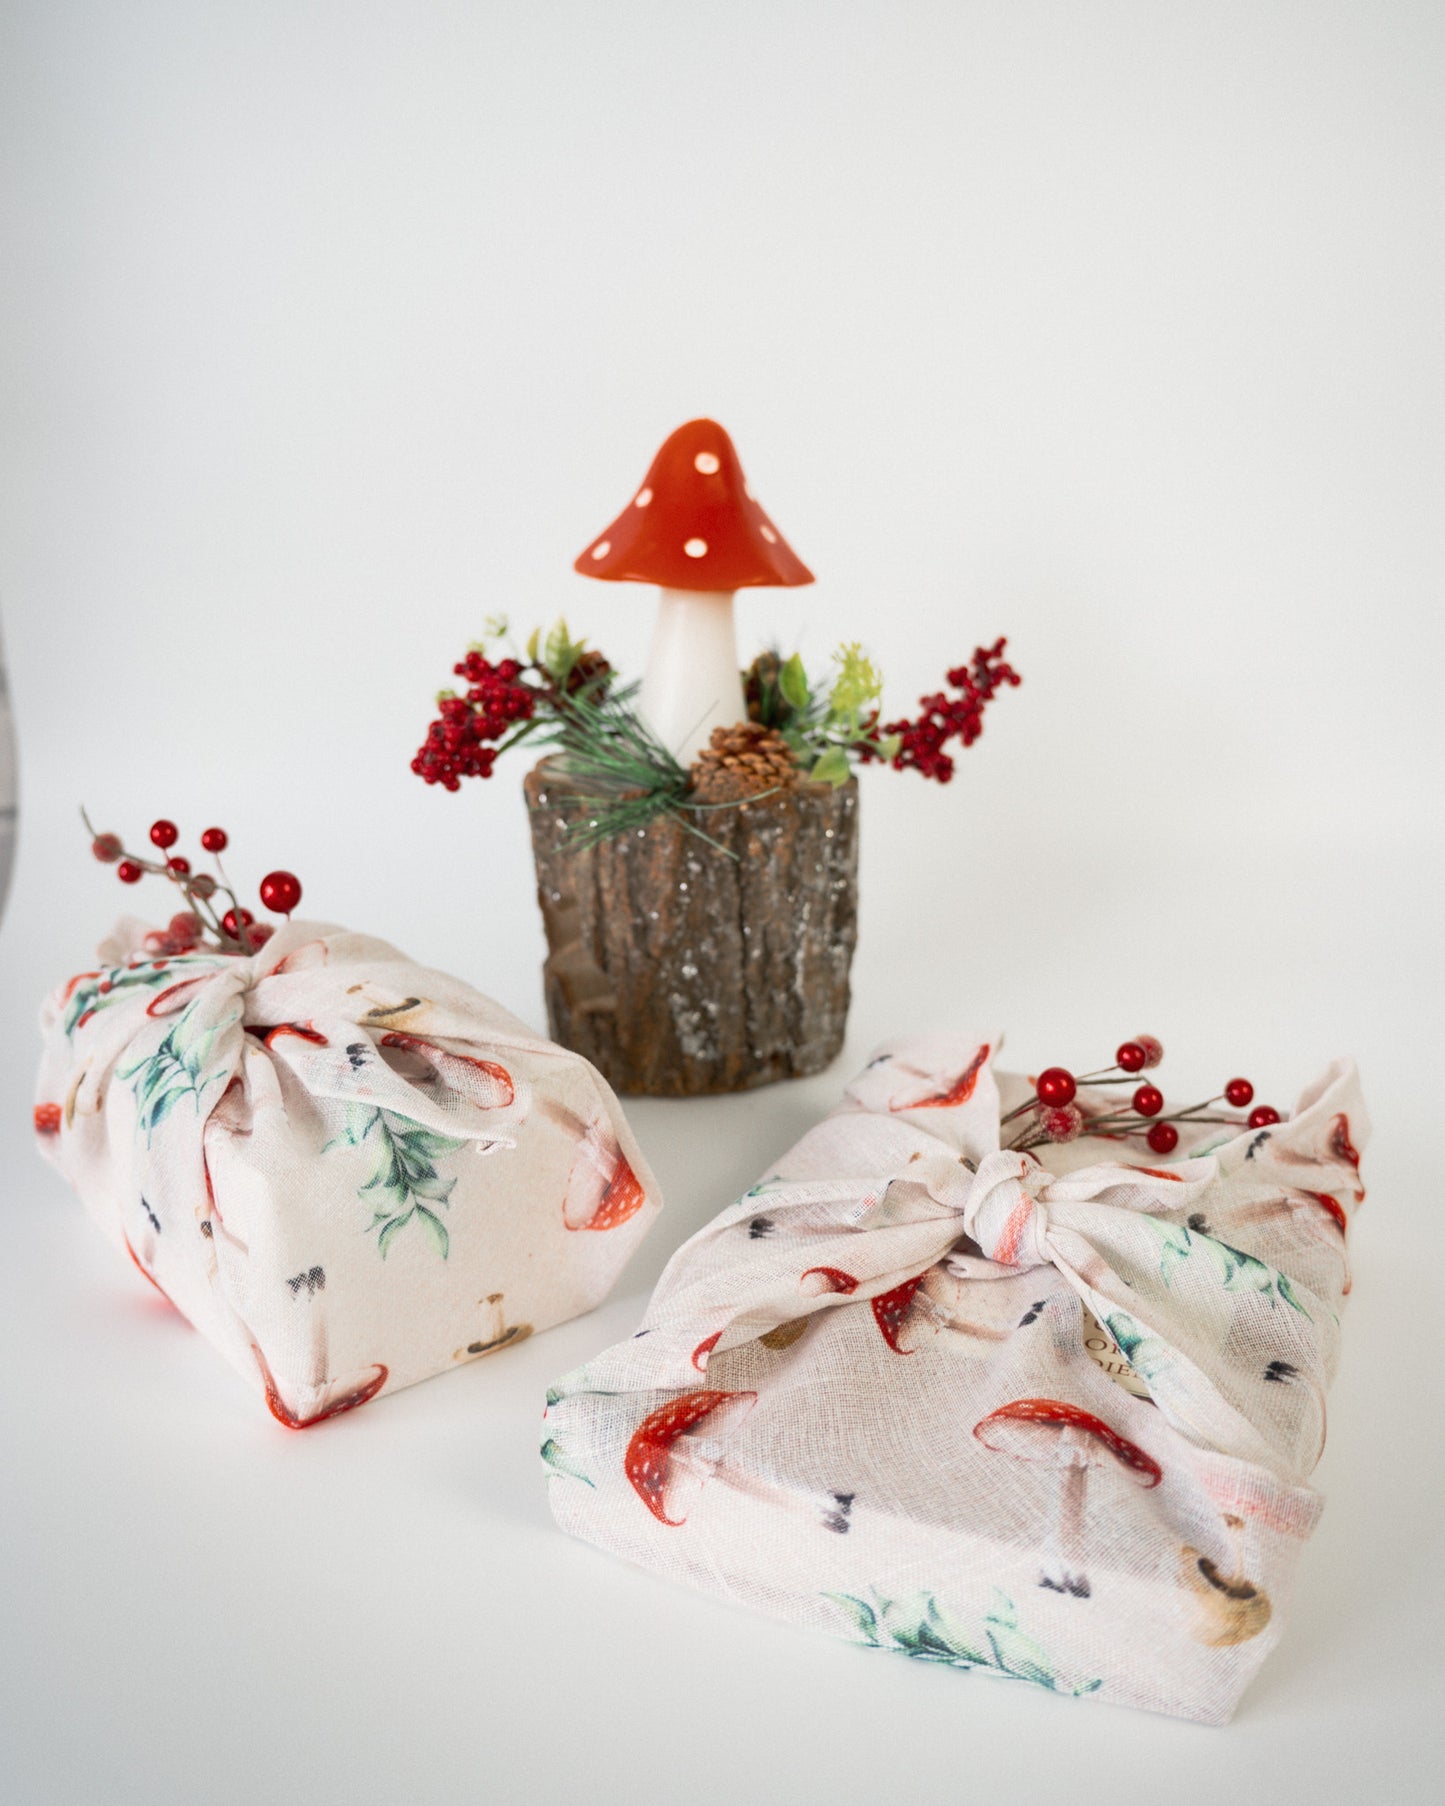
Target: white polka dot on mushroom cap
[[602, 548], [769, 535], [708, 463], [642, 498], [696, 548]]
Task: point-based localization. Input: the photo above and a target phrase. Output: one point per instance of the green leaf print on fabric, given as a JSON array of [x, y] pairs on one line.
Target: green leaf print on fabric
[[1146, 1354], [174, 1071], [1234, 1270], [562, 1463], [404, 1176], [918, 1627]]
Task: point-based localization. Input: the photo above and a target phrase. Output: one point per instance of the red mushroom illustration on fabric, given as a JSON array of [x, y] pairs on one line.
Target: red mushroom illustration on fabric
[[498, 1333], [949, 1096], [324, 1394], [1339, 1150], [670, 1459], [891, 1308], [1070, 1441], [694, 529], [603, 1191], [482, 1082], [912, 1314], [1227, 1608], [818, 1281], [677, 1449], [143, 1267]]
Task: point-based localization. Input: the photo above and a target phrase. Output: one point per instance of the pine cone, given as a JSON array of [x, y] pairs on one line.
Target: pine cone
[[760, 686], [740, 762], [590, 668]]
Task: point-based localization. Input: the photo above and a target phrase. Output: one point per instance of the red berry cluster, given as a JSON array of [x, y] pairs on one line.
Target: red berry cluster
[[460, 743], [944, 718], [1053, 1115], [235, 931]]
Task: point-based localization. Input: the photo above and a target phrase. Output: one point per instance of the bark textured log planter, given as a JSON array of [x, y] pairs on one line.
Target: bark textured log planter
[[679, 971]]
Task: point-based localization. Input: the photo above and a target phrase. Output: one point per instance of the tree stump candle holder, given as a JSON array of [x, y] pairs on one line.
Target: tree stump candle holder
[[679, 970]]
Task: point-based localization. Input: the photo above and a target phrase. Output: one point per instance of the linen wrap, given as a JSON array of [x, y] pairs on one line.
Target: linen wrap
[[862, 1397], [347, 1171]]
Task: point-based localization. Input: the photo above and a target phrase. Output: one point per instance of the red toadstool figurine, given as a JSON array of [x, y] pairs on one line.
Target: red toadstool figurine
[[694, 529]]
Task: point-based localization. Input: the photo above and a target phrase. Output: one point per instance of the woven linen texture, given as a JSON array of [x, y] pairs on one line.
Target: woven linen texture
[[347, 1171], [862, 1397]]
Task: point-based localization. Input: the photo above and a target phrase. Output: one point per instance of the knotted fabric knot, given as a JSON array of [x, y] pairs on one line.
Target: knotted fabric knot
[[1005, 1211]]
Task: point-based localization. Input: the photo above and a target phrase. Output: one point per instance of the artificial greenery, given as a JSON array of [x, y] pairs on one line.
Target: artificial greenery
[[562, 694]]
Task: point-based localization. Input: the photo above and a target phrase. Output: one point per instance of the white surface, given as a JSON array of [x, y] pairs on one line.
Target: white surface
[[328, 330]]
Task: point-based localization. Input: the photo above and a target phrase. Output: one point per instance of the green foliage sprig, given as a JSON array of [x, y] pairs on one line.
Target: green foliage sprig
[[561, 693]]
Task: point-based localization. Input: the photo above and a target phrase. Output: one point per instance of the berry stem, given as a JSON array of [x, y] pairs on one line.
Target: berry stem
[[241, 936], [197, 903]]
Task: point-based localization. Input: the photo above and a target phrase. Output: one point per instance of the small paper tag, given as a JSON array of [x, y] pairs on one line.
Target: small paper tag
[[1105, 1353]]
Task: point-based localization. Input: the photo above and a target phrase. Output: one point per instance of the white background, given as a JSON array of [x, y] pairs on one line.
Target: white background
[[327, 331]]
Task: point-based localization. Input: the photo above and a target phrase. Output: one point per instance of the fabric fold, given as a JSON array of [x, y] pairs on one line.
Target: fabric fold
[[347, 1170], [903, 1298]]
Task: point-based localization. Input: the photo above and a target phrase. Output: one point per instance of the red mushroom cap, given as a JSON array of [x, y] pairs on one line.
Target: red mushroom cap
[[1052, 1414], [648, 1462], [954, 1094], [694, 525], [827, 1279], [891, 1308], [1322, 1198], [1340, 1144]]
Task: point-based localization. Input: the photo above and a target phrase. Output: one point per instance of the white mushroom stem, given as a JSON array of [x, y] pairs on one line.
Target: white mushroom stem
[[701, 1458], [318, 1349], [692, 683], [1066, 1529]]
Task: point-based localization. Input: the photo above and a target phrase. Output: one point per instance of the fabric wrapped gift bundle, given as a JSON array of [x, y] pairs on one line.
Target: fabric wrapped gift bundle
[[1052, 1421], [347, 1171]]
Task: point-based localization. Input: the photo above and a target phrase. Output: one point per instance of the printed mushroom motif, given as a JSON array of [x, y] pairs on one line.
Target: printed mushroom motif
[[949, 1300], [785, 1334], [948, 1096], [1339, 1151], [482, 1082], [1228, 1609], [891, 1308], [669, 1460], [818, 1281], [146, 1273], [602, 1189], [694, 529], [1070, 1441], [321, 1395], [499, 1333], [677, 1449]]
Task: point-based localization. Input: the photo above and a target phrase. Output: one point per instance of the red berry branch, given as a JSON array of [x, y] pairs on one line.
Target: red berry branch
[[202, 923], [464, 740], [1054, 1112], [920, 743]]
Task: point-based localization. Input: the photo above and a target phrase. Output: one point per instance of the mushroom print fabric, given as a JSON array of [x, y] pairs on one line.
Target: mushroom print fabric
[[347, 1171], [1048, 1418]]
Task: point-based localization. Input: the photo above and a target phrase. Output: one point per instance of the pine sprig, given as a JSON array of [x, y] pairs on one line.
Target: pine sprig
[[624, 776], [564, 695]]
